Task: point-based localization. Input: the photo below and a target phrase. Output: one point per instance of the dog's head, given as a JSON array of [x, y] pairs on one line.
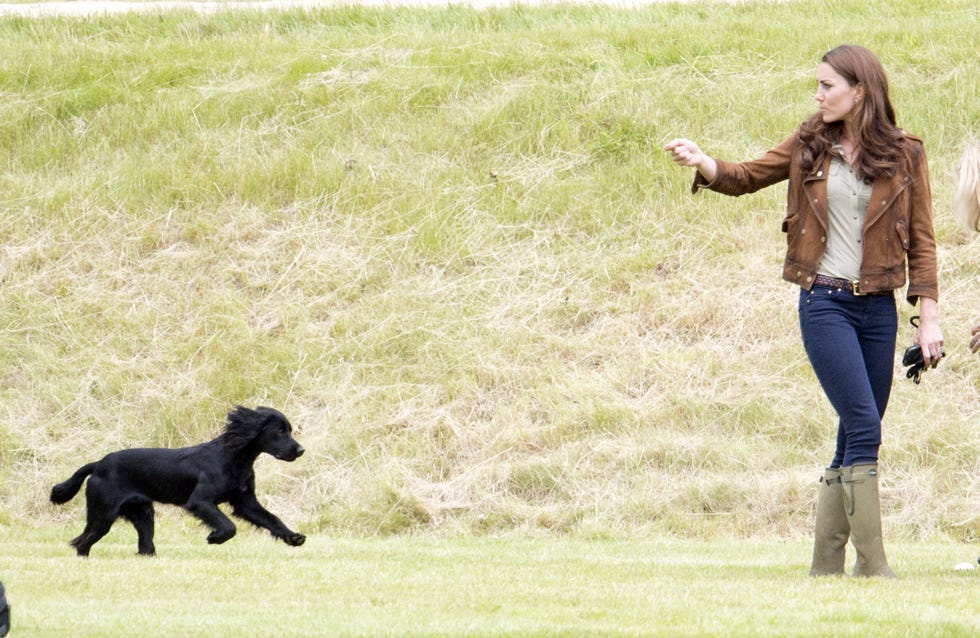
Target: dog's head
[[267, 429]]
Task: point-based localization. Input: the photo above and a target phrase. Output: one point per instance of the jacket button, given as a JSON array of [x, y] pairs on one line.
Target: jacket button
[[798, 274], [819, 173], [803, 231], [809, 279], [823, 240]]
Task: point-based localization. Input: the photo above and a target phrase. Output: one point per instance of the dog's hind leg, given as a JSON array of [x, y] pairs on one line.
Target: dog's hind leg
[[94, 530], [101, 513], [139, 512]]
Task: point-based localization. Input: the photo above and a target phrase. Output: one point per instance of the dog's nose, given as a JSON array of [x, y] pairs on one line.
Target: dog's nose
[[300, 451]]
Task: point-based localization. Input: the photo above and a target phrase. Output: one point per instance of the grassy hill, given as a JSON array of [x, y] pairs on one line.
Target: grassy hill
[[446, 243]]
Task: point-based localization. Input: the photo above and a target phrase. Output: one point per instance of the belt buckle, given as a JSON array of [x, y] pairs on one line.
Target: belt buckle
[[854, 289]]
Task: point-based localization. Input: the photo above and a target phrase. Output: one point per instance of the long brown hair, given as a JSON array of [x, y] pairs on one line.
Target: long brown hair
[[880, 141]]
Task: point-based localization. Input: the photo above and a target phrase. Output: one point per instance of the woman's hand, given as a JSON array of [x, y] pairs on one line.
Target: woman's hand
[[687, 153], [975, 341], [928, 335]]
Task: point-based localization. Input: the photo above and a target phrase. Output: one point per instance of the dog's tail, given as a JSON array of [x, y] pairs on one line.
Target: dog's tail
[[65, 491]]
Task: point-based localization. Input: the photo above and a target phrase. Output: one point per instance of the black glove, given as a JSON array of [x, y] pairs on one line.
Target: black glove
[[913, 358]]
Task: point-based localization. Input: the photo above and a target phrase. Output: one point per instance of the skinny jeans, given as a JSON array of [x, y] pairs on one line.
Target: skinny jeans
[[850, 341]]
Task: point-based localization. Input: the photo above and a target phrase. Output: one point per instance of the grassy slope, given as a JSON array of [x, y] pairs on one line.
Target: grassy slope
[[446, 243]]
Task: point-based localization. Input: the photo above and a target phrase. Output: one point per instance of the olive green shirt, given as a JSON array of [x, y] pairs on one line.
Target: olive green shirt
[[847, 204]]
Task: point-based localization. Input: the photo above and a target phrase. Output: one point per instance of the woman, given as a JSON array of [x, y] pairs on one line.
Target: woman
[[858, 226], [968, 205]]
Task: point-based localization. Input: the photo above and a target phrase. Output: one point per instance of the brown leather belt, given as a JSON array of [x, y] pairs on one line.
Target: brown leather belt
[[850, 286]]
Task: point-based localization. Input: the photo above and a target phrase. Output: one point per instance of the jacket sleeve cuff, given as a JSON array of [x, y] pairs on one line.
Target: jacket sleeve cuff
[[701, 182], [914, 292]]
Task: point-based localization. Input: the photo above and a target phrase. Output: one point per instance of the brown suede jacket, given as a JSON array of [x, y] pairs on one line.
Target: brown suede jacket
[[898, 228]]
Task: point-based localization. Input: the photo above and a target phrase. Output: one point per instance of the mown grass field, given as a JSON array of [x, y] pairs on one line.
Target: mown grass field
[[427, 586], [446, 243]]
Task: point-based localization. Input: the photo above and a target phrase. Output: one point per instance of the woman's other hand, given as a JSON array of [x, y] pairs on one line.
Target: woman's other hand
[[928, 335]]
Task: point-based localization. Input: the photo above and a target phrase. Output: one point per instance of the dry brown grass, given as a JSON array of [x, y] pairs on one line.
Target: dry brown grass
[[447, 246]]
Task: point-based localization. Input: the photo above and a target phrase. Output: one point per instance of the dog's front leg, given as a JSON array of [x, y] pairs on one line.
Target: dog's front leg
[[249, 508], [210, 515]]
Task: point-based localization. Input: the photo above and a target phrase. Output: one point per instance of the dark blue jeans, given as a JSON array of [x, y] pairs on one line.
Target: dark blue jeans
[[850, 341]]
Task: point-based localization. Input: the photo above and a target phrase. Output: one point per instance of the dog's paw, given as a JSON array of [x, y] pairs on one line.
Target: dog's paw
[[217, 538], [294, 538]]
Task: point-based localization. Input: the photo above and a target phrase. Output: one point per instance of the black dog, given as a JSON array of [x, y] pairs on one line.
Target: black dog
[[198, 478]]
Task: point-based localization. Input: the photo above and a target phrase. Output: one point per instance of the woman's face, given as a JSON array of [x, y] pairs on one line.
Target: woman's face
[[835, 96]]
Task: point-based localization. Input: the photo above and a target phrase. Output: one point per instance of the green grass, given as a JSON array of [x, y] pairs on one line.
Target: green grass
[[424, 586], [447, 244]]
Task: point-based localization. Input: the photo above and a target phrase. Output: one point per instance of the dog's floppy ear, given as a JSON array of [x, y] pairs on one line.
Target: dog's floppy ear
[[243, 426]]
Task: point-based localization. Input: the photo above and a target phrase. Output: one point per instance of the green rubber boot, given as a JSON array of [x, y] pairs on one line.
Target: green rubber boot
[[863, 508], [831, 529]]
